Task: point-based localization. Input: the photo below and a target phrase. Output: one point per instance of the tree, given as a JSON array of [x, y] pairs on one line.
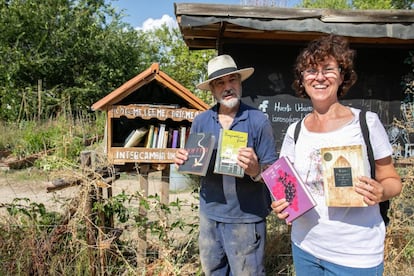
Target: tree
[[327, 4], [75, 51], [358, 4], [185, 66]]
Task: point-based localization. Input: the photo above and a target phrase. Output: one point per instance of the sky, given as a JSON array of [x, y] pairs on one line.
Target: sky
[[147, 14]]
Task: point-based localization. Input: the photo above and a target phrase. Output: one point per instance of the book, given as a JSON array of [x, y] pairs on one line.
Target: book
[[154, 138], [161, 136], [165, 140], [230, 141], [200, 148], [341, 167], [183, 134], [174, 142], [283, 181], [135, 137], [148, 141], [169, 138]]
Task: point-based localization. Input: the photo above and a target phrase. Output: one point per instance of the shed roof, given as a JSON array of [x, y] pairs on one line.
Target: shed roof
[[206, 26], [153, 73]]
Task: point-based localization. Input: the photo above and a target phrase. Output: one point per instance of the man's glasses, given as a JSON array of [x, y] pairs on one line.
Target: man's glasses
[[328, 72]]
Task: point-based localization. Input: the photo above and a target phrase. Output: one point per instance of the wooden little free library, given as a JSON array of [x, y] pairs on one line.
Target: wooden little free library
[[151, 108]]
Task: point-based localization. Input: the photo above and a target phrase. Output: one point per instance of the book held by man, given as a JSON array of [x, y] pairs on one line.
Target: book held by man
[[200, 148], [283, 181], [341, 167], [230, 141]]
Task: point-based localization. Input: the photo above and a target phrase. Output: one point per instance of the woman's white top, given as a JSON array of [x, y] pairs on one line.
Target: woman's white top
[[351, 237]]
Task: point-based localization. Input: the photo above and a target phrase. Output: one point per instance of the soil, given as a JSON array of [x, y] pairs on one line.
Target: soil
[[33, 185]]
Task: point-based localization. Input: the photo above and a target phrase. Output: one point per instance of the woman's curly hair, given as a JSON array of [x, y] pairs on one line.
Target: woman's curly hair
[[318, 51]]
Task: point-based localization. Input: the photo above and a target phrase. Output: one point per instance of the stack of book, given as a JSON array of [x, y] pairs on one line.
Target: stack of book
[[159, 136]]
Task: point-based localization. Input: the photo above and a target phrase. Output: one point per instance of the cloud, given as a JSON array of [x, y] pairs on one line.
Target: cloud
[[151, 23]]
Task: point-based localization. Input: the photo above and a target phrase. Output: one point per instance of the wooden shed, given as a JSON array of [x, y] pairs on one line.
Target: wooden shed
[[151, 102], [270, 38]]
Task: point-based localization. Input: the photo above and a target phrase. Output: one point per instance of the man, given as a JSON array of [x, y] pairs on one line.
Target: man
[[233, 210]]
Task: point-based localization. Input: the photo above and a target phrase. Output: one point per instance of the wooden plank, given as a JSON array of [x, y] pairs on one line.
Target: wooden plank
[[147, 112], [121, 156], [268, 13]]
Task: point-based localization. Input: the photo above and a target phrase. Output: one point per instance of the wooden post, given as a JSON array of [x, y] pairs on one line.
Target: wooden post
[[96, 237], [165, 186], [86, 164], [90, 230], [142, 235]]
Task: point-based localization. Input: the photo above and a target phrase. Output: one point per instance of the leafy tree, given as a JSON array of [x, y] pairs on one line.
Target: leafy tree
[[75, 51], [403, 4], [185, 66], [372, 4], [63, 55], [328, 4], [358, 4]]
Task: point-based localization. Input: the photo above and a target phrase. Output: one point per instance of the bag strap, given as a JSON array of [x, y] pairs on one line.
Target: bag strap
[[384, 205], [297, 130], [365, 133]]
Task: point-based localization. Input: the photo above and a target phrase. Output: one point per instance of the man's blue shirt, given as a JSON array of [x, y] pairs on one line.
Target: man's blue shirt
[[232, 199]]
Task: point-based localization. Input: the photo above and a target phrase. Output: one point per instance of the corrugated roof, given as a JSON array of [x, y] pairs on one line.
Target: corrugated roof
[[206, 26]]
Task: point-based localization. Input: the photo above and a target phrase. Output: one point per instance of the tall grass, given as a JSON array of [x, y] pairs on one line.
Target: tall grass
[[78, 241]]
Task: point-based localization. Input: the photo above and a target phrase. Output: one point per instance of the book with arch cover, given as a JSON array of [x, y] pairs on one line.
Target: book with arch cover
[[200, 148], [283, 181], [341, 167]]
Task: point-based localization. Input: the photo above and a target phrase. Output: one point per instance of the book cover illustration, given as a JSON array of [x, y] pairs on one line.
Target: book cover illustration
[[341, 167], [283, 181], [200, 148], [230, 141], [135, 137]]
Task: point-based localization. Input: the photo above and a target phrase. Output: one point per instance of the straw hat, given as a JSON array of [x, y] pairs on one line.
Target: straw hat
[[221, 66]]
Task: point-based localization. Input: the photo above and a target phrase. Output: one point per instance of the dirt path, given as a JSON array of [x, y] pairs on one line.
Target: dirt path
[[31, 185]]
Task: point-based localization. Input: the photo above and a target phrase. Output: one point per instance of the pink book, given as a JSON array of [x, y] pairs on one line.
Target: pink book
[[283, 181]]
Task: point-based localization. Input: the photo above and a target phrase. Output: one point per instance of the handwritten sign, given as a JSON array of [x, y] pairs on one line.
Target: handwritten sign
[[150, 111], [142, 155]]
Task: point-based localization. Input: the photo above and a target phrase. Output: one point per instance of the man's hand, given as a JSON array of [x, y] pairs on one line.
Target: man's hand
[[247, 159], [181, 155]]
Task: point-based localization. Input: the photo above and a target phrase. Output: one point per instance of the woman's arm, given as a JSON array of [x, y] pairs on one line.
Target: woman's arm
[[387, 183]]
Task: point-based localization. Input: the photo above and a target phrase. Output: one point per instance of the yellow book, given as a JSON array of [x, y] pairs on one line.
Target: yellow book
[[148, 142], [230, 141]]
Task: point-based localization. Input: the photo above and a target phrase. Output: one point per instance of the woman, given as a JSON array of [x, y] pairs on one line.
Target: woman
[[336, 240]]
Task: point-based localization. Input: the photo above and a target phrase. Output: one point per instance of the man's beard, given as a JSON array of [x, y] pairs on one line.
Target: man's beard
[[231, 102]]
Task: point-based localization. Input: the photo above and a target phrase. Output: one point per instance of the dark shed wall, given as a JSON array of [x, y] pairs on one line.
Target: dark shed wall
[[378, 87]]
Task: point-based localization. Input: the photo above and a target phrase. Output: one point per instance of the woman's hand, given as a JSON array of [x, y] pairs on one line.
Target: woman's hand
[[370, 189], [387, 183], [278, 206]]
